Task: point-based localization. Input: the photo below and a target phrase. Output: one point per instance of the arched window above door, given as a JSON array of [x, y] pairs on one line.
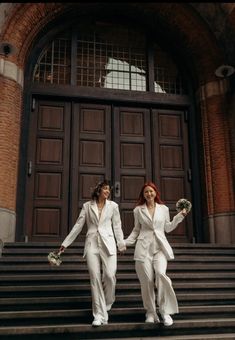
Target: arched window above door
[[108, 56]]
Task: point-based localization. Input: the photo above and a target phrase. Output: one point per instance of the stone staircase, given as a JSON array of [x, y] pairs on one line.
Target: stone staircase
[[38, 301]]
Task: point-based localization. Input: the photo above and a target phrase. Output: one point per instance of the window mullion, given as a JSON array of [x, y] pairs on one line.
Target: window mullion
[[150, 66], [73, 74]]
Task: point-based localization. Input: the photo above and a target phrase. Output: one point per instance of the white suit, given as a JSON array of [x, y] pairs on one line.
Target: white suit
[[151, 254], [100, 250]]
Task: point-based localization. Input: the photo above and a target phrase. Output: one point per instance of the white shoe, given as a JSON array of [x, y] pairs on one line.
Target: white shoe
[[98, 322], [167, 320], [108, 307], [152, 319]]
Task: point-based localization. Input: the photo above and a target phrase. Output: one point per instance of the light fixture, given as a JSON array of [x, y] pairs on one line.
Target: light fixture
[[224, 71], [7, 49]]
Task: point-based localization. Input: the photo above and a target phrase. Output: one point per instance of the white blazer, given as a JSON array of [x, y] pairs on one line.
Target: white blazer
[[146, 227], [109, 226]]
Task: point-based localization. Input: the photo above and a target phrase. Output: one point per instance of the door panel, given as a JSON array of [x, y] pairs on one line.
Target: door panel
[[46, 209], [91, 150], [171, 165], [132, 166]]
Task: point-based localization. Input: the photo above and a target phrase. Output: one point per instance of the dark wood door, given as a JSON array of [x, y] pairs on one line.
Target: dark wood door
[[132, 155], [72, 146], [171, 168], [47, 187]]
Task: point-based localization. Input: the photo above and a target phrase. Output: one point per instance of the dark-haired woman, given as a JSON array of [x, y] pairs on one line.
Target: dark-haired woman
[[152, 250], [103, 227]]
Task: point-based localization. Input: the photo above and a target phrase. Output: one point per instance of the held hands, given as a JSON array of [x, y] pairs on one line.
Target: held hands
[[122, 247]]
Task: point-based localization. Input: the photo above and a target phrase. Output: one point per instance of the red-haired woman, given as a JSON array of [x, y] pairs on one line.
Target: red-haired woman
[[152, 251]]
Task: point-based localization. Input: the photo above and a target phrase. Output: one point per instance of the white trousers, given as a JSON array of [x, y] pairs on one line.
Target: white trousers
[[102, 269], [151, 274]]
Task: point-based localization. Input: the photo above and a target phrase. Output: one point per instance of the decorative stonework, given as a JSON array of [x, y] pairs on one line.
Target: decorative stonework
[[213, 88], [7, 225], [11, 71]]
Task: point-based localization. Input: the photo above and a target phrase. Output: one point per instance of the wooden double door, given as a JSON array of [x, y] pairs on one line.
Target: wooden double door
[[73, 145]]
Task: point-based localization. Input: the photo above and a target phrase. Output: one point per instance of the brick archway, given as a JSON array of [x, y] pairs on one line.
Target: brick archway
[[200, 49]]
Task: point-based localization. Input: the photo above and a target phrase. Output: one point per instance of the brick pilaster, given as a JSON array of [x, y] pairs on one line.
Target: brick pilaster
[[217, 160]]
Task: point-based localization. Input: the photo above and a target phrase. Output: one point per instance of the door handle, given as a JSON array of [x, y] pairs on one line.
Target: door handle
[[117, 189], [30, 167]]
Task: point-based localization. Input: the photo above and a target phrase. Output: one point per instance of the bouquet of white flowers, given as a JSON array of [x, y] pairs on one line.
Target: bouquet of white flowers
[[183, 203], [54, 258]]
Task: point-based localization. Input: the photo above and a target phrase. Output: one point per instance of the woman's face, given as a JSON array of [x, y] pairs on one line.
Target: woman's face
[[149, 194], [105, 192]]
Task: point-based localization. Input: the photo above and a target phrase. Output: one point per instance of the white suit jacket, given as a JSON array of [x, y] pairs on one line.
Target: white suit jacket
[[109, 226], [146, 227]]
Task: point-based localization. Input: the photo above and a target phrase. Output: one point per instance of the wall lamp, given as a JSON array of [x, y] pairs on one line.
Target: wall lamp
[[7, 49], [224, 71]]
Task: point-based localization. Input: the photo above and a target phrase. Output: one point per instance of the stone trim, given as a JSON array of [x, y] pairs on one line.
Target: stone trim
[[212, 88], [222, 228], [7, 225], [10, 70]]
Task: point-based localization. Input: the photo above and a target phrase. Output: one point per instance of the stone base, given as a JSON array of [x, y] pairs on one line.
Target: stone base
[[222, 228], [7, 225]]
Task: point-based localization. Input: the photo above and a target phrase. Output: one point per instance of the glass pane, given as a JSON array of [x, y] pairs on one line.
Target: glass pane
[[115, 57], [108, 56], [54, 65], [166, 75]]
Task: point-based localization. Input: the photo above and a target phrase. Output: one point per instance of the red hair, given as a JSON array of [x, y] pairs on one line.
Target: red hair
[[141, 199]]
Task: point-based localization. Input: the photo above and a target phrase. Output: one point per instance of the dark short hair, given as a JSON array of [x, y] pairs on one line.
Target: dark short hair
[[96, 192]]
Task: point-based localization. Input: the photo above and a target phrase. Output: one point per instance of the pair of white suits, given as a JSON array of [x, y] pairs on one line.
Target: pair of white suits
[[152, 251], [103, 233]]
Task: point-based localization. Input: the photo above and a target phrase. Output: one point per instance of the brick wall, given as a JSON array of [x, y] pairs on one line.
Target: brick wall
[[10, 112]]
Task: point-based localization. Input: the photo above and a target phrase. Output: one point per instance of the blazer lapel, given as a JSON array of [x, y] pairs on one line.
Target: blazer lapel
[[145, 211], [94, 210], [157, 212]]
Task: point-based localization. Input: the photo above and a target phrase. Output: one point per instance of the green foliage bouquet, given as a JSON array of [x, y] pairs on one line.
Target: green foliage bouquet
[[183, 203], [54, 258]]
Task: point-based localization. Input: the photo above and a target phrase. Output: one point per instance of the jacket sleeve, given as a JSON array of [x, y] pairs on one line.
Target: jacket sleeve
[[171, 225], [77, 228], [117, 228], [131, 239]]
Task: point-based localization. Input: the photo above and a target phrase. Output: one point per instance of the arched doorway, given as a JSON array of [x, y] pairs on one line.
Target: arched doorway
[[106, 102]]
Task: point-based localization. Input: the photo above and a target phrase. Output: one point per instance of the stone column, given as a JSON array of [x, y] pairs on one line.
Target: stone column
[[220, 212], [11, 85]]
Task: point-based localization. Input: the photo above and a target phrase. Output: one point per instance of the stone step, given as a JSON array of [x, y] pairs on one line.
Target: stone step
[[131, 312], [123, 330], [78, 244], [222, 336], [51, 277], [14, 251], [190, 253], [122, 300], [39, 290], [68, 259], [81, 266], [40, 301]]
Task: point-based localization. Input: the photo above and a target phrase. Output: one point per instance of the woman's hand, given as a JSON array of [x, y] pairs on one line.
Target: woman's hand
[[184, 212], [61, 250]]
